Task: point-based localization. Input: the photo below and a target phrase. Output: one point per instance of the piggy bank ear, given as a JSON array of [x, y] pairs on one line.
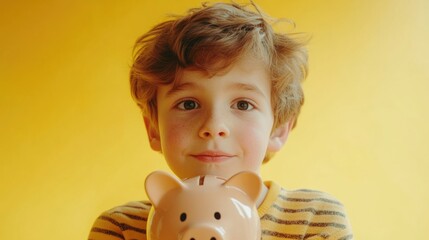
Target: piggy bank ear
[[248, 182], [158, 183]]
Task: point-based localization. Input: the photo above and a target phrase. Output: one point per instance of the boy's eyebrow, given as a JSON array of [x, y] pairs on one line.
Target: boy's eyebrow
[[249, 87], [189, 85], [179, 87]]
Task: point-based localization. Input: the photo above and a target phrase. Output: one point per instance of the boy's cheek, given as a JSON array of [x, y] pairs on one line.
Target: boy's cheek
[[254, 139], [175, 134]]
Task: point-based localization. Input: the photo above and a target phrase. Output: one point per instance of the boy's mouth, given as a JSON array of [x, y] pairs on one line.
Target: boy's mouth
[[212, 156]]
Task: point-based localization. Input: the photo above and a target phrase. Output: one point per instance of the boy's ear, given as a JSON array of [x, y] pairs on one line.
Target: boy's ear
[[153, 135], [279, 136]]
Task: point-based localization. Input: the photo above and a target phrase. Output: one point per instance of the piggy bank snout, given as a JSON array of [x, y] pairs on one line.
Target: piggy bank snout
[[202, 232]]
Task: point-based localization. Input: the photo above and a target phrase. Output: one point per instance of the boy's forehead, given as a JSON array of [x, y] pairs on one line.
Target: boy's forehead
[[220, 68], [246, 75]]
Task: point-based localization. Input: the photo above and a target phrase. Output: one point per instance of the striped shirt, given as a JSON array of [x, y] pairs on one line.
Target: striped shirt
[[300, 214]]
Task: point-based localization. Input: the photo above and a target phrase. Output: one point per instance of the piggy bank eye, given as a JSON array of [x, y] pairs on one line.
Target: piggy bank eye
[[217, 215], [183, 217]]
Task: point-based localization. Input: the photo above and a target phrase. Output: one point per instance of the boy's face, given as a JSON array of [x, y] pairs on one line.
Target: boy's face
[[217, 125]]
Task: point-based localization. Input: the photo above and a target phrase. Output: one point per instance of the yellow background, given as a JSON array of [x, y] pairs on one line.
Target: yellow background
[[73, 143]]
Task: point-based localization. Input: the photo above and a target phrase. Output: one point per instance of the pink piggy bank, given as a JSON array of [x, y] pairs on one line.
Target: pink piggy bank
[[203, 208]]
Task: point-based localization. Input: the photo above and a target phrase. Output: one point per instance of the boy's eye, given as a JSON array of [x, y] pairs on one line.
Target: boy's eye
[[188, 105], [243, 105]]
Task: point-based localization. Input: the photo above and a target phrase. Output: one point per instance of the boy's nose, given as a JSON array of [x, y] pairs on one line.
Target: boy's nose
[[214, 127]]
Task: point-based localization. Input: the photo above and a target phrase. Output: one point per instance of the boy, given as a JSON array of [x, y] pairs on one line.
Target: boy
[[220, 92]]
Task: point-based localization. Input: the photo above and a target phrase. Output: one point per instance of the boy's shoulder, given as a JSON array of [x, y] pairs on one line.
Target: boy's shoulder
[[131, 209], [126, 221], [310, 196], [303, 214], [301, 196], [316, 203]]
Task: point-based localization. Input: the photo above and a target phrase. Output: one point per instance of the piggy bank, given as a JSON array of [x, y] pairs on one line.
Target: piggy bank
[[203, 207]]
